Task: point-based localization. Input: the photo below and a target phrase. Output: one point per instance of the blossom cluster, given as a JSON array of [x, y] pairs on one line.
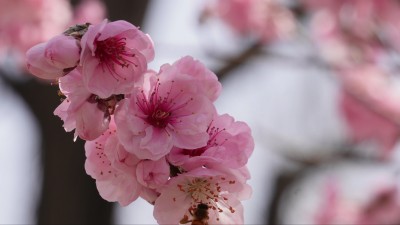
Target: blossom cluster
[[154, 135], [359, 40]]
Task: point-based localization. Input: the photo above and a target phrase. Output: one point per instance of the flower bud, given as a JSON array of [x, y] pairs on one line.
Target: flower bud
[[38, 65], [62, 52]]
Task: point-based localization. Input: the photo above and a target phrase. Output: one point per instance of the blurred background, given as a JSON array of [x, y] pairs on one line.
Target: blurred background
[[317, 81]]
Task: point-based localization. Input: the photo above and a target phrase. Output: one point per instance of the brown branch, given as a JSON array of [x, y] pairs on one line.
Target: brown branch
[[240, 59]]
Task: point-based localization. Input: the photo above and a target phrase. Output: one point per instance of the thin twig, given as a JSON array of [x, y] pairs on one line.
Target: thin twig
[[238, 60]]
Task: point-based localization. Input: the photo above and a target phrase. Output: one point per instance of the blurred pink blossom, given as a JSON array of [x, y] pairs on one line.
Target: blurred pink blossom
[[89, 11], [25, 23], [354, 31], [267, 20], [333, 209], [357, 38], [383, 207], [370, 105]]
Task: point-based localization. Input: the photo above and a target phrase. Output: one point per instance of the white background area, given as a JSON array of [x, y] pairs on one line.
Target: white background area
[[19, 160]]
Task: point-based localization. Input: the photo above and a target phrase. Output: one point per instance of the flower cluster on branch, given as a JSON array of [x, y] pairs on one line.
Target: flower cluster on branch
[[155, 135]]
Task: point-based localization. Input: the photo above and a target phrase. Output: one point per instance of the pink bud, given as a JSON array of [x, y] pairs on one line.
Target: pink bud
[[38, 65], [62, 51]]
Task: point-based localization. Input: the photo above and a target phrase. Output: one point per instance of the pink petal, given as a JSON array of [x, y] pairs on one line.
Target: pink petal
[[153, 174], [155, 144]]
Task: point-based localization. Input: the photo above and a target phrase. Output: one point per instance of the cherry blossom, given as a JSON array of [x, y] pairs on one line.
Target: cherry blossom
[[229, 144], [220, 191], [114, 56], [151, 135], [171, 109], [113, 168]]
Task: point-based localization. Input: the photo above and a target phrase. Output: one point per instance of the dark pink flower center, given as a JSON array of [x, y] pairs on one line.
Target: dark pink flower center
[[113, 51], [159, 110], [159, 118]]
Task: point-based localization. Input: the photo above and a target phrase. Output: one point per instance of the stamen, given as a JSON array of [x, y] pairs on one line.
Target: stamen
[[213, 132], [160, 110], [207, 192], [113, 51]]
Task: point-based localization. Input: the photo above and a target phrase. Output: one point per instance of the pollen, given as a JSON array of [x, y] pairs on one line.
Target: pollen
[[208, 192]]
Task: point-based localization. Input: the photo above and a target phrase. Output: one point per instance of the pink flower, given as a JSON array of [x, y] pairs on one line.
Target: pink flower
[[266, 19], [114, 56], [53, 59], [171, 109], [230, 144], [113, 168], [88, 114], [220, 191]]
